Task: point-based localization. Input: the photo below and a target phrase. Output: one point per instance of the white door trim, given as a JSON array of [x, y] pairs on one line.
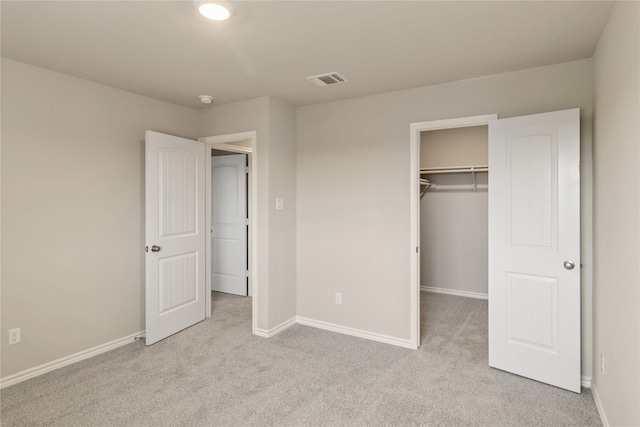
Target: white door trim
[[222, 142], [414, 208], [223, 146]]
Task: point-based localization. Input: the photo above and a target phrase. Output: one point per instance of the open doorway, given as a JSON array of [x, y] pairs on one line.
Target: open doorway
[[416, 189], [229, 232], [243, 144], [454, 211]]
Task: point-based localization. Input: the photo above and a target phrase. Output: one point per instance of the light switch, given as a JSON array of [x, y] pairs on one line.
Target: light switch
[[279, 204]]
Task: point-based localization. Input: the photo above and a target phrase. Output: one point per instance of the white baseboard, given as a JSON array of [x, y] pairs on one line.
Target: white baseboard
[[275, 331], [454, 292], [585, 381], [599, 407], [65, 361], [355, 332]]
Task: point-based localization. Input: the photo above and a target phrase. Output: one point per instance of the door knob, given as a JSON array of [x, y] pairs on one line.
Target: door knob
[[567, 264], [156, 248]]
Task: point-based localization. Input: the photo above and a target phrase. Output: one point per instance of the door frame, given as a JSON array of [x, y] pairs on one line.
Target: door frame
[[414, 208], [222, 142]]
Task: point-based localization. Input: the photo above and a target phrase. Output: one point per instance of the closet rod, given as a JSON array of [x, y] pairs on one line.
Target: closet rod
[[459, 187], [455, 169]]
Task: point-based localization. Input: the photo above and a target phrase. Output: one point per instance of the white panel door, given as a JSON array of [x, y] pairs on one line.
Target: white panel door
[[175, 234], [228, 224], [534, 247]]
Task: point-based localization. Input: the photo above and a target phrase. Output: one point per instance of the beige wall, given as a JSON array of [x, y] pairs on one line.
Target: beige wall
[[616, 312], [73, 211], [282, 223], [466, 146], [454, 239], [353, 190], [275, 153]]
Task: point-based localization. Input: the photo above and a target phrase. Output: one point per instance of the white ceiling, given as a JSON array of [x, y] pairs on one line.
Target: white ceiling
[[165, 50]]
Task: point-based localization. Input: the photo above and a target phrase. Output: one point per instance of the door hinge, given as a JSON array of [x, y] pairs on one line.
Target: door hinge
[[246, 273], [417, 250], [246, 169]]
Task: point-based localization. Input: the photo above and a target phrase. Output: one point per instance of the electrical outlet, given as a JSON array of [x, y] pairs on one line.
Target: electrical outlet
[[14, 336], [338, 298], [602, 363]]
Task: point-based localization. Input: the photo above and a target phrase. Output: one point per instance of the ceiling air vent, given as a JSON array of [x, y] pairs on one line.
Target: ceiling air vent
[[327, 79]]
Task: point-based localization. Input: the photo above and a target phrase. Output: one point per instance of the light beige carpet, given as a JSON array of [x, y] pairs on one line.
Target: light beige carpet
[[218, 374]]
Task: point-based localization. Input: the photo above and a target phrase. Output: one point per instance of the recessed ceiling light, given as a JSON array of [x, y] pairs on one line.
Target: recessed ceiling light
[[218, 10], [206, 99]]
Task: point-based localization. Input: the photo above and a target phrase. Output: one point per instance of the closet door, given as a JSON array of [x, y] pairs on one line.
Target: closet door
[[534, 247]]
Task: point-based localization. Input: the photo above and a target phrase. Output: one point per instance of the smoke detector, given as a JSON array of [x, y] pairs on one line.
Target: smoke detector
[[206, 99], [327, 79]]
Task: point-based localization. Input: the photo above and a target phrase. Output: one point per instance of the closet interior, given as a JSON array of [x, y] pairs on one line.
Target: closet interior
[[454, 211]]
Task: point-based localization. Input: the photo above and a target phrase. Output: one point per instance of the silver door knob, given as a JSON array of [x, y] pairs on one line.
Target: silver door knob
[[156, 248], [567, 264]]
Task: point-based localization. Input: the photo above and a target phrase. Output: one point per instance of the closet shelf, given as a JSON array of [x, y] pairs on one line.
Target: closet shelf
[[455, 169]]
